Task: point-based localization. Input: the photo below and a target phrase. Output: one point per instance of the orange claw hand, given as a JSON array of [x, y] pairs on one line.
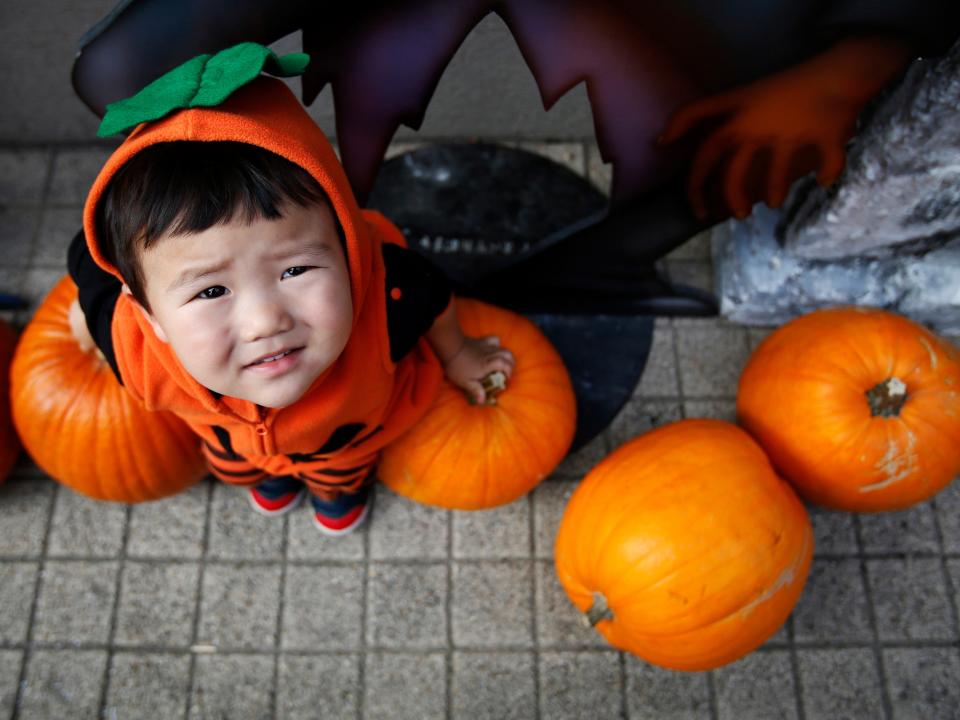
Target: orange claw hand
[[814, 104]]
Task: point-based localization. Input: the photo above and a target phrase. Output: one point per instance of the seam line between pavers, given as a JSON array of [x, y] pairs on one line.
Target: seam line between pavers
[[41, 566], [364, 616], [115, 612], [885, 699], [534, 617], [198, 602], [448, 612], [952, 593]]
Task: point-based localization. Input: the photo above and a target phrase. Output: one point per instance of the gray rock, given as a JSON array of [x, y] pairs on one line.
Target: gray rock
[[900, 191], [759, 282]]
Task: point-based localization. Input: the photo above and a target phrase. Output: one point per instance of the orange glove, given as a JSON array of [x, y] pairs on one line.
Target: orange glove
[[813, 104]]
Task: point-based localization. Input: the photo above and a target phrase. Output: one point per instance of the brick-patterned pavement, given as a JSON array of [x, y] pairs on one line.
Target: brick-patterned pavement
[[196, 607]]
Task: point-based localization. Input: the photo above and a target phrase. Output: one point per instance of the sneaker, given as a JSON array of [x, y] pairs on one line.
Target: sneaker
[[343, 515], [277, 496]]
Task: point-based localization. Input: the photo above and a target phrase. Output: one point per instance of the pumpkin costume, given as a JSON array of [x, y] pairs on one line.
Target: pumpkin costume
[[387, 375]]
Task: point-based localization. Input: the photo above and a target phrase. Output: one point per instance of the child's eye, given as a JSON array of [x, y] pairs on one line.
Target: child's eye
[[294, 271], [212, 292]]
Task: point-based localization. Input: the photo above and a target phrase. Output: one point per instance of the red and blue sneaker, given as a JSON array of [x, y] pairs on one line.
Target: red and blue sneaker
[[276, 496], [343, 515]]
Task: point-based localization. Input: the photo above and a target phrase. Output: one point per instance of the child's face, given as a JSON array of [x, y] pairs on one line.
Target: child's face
[[229, 297]]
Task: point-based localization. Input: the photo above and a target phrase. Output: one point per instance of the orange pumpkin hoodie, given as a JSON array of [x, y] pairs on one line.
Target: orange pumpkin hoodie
[[331, 436]]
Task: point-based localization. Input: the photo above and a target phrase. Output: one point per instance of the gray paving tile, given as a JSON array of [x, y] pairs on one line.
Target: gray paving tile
[[502, 532], [581, 461], [74, 172], [305, 542], [559, 623], [238, 687], [660, 377], [37, 283], [841, 684], [692, 273], [147, 686], [400, 686], [833, 605], [323, 608], [157, 604], [712, 356], [598, 172], [237, 532], [22, 176], [549, 501], [57, 228], [319, 686], [17, 229], [23, 522], [696, 248], [759, 685], [10, 278], [493, 686], [834, 532], [657, 694], [402, 528], [63, 684], [640, 416], [85, 527], [239, 606], [75, 602], [953, 578], [492, 604], [911, 530], [171, 527], [756, 335], [17, 583], [716, 409], [947, 503], [910, 599], [923, 682], [579, 685], [10, 663], [407, 606]]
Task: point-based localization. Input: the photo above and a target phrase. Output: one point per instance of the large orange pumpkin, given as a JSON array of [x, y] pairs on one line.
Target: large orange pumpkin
[[470, 457], [82, 428], [9, 444], [858, 408], [684, 547]]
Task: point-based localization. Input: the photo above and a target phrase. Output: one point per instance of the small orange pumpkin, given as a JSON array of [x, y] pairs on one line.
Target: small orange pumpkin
[[9, 443], [470, 457], [79, 424], [684, 547], [858, 408]]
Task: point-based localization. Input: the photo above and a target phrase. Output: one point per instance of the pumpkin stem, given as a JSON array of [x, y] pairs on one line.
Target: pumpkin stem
[[599, 610], [493, 384], [887, 398]]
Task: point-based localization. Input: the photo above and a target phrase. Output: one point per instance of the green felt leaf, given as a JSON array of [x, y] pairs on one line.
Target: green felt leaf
[[203, 81]]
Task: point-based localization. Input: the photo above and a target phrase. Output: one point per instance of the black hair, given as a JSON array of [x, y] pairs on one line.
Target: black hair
[[188, 187]]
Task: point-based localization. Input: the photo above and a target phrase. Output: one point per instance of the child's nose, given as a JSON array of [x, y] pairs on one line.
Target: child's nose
[[265, 319]]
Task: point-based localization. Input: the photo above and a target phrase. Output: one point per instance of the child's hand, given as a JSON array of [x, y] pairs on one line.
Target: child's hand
[[476, 359]]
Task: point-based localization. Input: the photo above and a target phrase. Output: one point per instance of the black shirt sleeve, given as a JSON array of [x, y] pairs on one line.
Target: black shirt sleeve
[[417, 293], [99, 291]]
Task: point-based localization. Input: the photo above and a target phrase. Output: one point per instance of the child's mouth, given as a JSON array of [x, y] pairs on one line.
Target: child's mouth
[[276, 363]]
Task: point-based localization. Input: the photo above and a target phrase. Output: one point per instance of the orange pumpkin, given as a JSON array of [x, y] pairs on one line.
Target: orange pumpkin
[[470, 457], [858, 408], [684, 547], [9, 443], [80, 425]]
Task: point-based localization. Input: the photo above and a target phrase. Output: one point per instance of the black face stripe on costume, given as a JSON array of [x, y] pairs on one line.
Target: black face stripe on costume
[[340, 438], [224, 437]]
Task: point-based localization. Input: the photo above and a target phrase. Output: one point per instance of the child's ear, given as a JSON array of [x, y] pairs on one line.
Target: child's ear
[[157, 330]]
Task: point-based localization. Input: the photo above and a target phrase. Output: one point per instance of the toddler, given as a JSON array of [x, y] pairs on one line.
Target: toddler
[[227, 275]]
